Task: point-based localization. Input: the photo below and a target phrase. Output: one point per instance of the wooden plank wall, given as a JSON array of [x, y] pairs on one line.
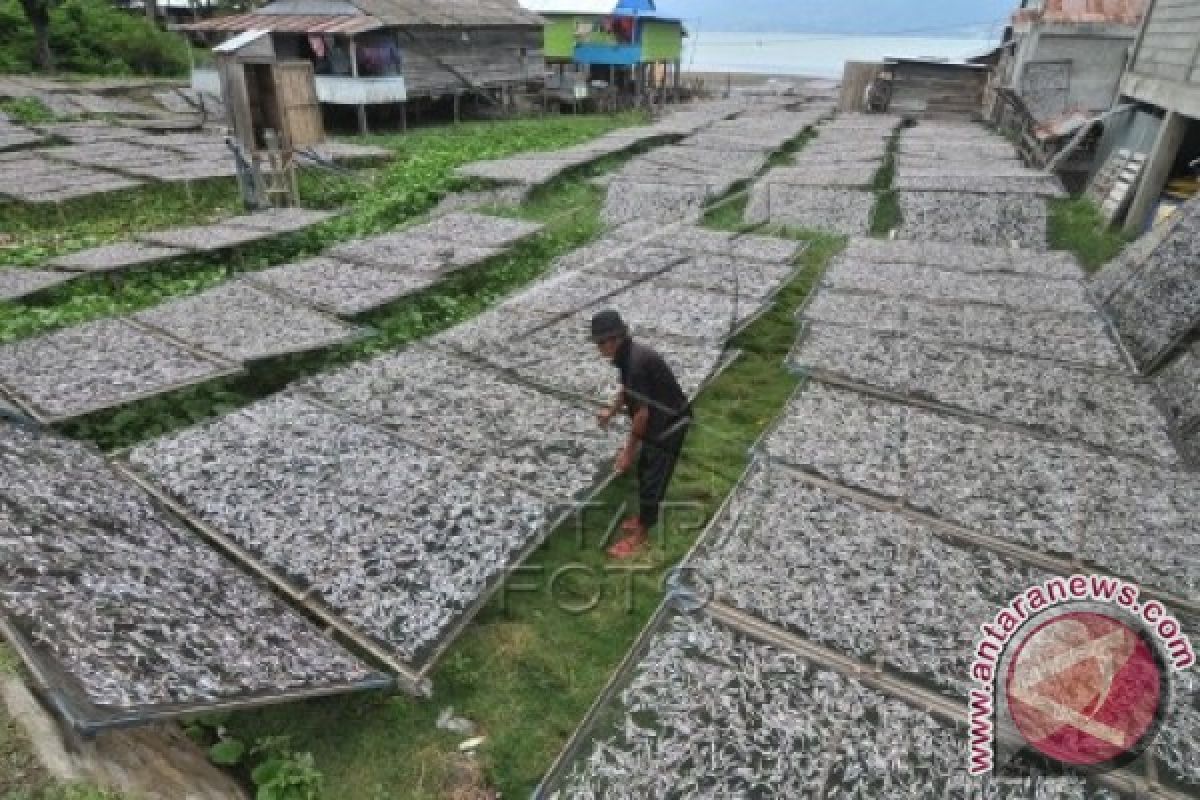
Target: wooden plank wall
[[486, 57]]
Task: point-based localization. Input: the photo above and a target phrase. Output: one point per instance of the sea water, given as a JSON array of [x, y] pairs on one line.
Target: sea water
[[812, 53]]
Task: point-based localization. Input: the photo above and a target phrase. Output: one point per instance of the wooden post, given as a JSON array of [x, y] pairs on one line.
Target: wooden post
[[404, 116], [678, 79], [1157, 170], [362, 110]]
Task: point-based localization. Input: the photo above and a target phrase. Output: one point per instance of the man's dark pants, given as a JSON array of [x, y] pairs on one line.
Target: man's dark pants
[[656, 463]]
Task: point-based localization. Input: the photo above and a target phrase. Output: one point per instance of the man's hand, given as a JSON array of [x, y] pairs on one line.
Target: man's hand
[[604, 416], [624, 460]]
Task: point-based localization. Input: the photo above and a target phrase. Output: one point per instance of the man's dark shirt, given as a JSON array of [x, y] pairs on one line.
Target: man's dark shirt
[[648, 381]]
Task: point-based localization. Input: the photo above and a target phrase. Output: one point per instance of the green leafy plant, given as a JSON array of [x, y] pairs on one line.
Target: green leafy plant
[[228, 752], [91, 37], [27, 110], [283, 774]]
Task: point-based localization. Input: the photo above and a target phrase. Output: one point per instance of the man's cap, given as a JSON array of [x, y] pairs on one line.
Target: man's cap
[[606, 324]]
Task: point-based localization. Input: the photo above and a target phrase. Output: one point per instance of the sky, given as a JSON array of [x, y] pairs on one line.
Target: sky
[[915, 17]]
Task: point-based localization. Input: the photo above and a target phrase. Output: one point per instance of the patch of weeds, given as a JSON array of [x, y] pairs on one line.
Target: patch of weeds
[[885, 217], [1077, 225], [27, 110]]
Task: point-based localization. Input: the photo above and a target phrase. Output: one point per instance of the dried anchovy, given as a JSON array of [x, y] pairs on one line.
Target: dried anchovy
[[341, 287], [1177, 383], [398, 540], [133, 606], [1161, 303], [1075, 337], [244, 323], [1098, 408], [989, 219], [561, 356], [76, 369], [16, 282], [1132, 519], [506, 429], [1025, 292], [965, 257], [844, 211]]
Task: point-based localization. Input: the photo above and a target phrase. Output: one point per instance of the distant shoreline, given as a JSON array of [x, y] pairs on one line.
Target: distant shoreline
[[741, 80]]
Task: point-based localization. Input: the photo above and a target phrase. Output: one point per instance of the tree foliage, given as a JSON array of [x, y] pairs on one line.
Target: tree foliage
[[85, 36]]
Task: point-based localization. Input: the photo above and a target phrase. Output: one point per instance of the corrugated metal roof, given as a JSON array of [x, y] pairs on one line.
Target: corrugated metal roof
[[1125, 12], [570, 6], [372, 14], [344, 24], [450, 13]]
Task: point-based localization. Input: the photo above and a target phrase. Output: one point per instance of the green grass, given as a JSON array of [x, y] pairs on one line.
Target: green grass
[[21, 777], [27, 110], [885, 217], [527, 670], [419, 176], [1076, 225]]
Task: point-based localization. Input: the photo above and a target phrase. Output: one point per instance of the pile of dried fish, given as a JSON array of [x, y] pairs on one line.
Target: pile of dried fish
[[1023, 292], [988, 219], [844, 211], [340, 287], [129, 603], [244, 323], [396, 539], [1055, 497], [505, 429], [97, 365], [1080, 338], [965, 257], [806, 560], [1102, 409], [1160, 304]]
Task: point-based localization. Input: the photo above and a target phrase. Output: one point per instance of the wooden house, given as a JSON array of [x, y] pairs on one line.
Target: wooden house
[[1161, 87], [386, 52], [622, 42]]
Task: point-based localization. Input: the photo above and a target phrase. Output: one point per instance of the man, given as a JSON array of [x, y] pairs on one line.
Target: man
[[661, 414]]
